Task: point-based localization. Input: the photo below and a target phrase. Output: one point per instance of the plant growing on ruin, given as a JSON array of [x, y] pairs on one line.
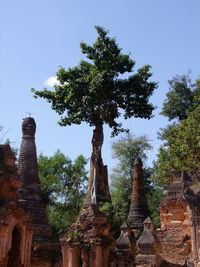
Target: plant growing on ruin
[[96, 92]]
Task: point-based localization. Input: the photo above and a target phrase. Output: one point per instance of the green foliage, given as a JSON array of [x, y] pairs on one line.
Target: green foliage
[[115, 221], [166, 132], [94, 91], [181, 98], [63, 184], [154, 198], [127, 148], [184, 146], [163, 167], [182, 149]]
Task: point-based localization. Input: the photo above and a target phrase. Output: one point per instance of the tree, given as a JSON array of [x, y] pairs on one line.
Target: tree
[[95, 92], [63, 185], [184, 144], [181, 151], [163, 167], [181, 98]]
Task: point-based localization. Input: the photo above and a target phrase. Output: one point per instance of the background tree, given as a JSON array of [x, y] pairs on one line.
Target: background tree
[[184, 144], [180, 139], [96, 93], [181, 98], [63, 185]]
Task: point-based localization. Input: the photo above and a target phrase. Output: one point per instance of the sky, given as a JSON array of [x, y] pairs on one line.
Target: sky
[[36, 37]]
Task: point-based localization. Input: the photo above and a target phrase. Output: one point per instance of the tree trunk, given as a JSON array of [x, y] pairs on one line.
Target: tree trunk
[[98, 190]]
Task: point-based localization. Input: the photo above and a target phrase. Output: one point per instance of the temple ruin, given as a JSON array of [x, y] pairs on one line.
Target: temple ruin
[[26, 236], [15, 224]]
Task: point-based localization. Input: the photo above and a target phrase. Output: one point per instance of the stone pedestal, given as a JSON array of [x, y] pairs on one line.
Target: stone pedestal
[[90, 236], [147, 253]]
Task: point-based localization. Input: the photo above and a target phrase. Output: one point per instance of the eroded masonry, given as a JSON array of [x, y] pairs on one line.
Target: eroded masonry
[[26, 236]]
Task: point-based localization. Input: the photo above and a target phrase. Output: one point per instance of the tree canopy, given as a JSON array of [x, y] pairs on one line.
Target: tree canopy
[[95, 92], [182, 97], [184, 144]]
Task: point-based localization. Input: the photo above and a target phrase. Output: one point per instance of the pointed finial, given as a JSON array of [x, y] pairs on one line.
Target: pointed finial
[[29, 114]]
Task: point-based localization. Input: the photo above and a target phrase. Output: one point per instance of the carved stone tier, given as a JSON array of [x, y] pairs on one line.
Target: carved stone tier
[[139, 210]]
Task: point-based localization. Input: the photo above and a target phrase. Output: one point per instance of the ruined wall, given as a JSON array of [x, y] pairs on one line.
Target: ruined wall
[[15, 223], [175, 233]]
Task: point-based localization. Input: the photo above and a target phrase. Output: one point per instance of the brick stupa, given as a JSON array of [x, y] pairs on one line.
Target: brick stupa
[[43, 248], [139, 210]]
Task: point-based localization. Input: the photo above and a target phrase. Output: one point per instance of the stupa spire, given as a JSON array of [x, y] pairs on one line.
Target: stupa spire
[[30, 191], [27, 159], [139, 210], [45, 250]]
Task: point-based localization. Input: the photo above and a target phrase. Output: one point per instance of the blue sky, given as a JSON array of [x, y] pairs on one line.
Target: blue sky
[[36, 37]]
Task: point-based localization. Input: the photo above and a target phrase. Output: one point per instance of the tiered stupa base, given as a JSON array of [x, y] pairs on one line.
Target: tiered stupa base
[[87, 243]]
